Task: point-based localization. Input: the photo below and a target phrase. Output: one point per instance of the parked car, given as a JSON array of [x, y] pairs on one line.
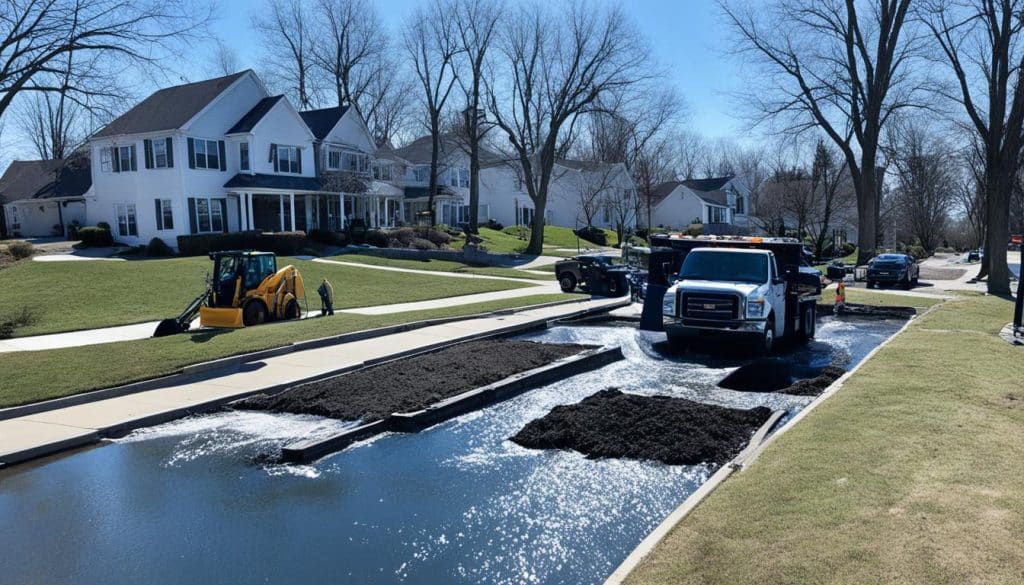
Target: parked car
[[976, 255], [893, 269], [597, 275]]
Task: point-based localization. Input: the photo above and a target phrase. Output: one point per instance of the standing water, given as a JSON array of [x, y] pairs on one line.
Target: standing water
[[198, 501]]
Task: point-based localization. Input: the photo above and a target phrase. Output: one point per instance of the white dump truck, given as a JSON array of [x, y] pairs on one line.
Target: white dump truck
[[761, 289]]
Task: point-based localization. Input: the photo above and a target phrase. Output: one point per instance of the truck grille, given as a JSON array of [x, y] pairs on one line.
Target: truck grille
[[710, 306]]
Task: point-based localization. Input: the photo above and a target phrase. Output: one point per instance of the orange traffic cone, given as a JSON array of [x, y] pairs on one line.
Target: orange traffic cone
[[840, 297]]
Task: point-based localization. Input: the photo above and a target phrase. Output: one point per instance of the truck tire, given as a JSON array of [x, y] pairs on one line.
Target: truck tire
[[253, 313], [768, 337], [615, 288], [292, 310], [677, 341], [808, 324], [567, 282]]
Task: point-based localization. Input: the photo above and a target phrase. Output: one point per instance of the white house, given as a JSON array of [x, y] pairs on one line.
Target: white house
[[223, 155], [722, 204], [43, 197], [601, 192]]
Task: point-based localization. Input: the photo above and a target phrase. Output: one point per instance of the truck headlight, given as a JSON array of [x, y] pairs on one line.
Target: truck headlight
[[668, 304], [755, 308]]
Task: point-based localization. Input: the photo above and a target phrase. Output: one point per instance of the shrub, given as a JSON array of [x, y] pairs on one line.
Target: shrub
[[593, 235], [493, 224], [95, 236], [21, 250], [103, 225], [403, 236], [695, 229], [520, 231], [20, 318], [421, 244], [328, 237], [918, 252], [158, 247], [281, 243], [376, 238], [642, 233], [848, 248], [438, 238]]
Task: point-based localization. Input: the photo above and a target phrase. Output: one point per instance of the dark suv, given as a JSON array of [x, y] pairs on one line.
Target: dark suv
[[893, 269]]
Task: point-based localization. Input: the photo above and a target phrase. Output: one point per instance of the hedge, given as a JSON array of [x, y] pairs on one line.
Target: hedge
[[95, 237], [593, 235], [282, 243]]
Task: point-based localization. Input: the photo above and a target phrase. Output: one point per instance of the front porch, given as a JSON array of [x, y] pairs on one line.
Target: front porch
[[305, 211]]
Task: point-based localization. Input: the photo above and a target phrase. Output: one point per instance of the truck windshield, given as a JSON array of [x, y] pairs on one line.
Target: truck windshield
[[725, 267]]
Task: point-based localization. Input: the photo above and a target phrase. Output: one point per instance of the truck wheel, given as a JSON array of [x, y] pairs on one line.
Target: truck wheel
[[808, 326], [567, 281], [291, 310], [254, 314], [614, 288], [768, 337], [907, 285], [677, 341], [871, 284]]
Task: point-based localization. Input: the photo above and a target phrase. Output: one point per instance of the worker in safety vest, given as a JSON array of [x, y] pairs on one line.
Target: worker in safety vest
[[840, 296], [326, 298]]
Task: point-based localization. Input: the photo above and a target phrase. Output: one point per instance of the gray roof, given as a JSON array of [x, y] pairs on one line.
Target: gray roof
[[585, 165], [170, 108], [253, 116], [663, 190], [709, 184], [46, 179], [714, 197], [418, 151], [419, 192], [321, 122], [281, 182]]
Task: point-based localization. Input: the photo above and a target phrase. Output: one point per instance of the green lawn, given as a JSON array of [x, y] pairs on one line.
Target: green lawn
[[865, 297], [509, 242], [441, 266], [911, 474], [41, 375], [68, 296]]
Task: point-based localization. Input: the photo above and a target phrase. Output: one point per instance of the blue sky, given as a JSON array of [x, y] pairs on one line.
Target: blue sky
[[686, 35]]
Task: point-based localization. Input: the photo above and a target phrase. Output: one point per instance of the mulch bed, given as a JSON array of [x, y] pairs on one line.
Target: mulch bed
[[816, 385], [775, 375], [869, 311], [674, 431], [413, 383]]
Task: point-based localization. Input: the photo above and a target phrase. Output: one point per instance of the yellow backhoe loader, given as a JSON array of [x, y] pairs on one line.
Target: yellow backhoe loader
[[245, 289]]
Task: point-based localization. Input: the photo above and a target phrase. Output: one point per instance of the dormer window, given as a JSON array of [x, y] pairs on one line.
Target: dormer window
[[287, 159], [419, 174], [382, 171], [334, 159], [355, 162]]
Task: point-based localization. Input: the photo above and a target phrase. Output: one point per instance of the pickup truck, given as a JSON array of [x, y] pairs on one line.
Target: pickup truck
[[756, 288]]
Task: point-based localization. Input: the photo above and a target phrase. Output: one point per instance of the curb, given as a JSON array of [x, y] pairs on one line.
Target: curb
[[183, 375], [740, 463], [412, 422]]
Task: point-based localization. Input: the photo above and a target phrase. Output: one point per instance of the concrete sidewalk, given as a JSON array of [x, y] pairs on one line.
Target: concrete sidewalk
[[425, 272], [44, 433], [546, 288]]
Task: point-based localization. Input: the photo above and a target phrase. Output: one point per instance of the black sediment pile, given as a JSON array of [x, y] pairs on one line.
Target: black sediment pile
[[775, 375], [816, 385], [675, 431], [413, 383], [870, 311]]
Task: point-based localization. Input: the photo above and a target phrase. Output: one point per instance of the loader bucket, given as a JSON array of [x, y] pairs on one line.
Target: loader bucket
[[167, 327]]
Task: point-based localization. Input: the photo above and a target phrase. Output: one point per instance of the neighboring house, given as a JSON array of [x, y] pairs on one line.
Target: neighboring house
[[224, 155], [43, 197], [602, 193], [722, 204]]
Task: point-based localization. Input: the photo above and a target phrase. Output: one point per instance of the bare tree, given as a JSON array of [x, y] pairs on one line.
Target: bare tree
[[691, 150], [288, 26], [557, 68], [832, 193], [983, 45], [390, 114], [106, 37], [225, 60], [349, 48], [477, 22], [924, 172], [432, 43], [839, 65], [799, 199]]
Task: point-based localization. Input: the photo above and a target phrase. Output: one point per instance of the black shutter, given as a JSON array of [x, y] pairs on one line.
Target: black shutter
[[191, 157], [170, 152], [135, 165], [147, 152], [223, 208], [116, 155], [223, 159], [159, 215], [192, 227], [298, 155], [273, 156]]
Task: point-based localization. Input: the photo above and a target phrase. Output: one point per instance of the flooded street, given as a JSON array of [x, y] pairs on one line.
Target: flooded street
[[200, 500]]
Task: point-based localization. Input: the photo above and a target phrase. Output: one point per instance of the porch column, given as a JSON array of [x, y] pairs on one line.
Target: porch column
[[280, 209], [248, 212], [291, 204], [341, 212]]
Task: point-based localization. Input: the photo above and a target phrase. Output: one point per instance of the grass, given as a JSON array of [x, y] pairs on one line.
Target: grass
[[504, 242], [440, 266], [67, 296], [864, 297], [910, 474], [41, 375], [850, 260]]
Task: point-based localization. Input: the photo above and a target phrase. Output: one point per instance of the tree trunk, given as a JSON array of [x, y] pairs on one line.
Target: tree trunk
[[536, 245], [474, 182], [435, 143], [997, 193], [867, 211]]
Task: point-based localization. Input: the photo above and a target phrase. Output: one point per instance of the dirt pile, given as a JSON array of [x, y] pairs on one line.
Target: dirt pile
[[413, 383], [675, 431], [873, 311], [816, 385], [775, 375]]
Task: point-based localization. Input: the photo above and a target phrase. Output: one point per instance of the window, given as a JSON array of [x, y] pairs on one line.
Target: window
[[355, 162], [717, 215], [124, 157], [741, 205], [453, 177], [204, 154], [209, 215], [464, 177], [160, 154], [106, 160], [288, 159], [126, 225], [243, 156], [164, 215], [382, 171], [525, 216], [419, 174], [334, 159]]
